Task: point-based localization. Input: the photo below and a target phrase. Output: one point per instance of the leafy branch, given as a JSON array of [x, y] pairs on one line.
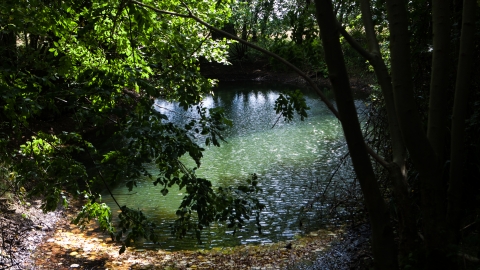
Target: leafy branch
[[307, 78]]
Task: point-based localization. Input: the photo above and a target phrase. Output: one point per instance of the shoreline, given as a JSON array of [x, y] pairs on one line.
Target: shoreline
[[52, 242], [261, 71]]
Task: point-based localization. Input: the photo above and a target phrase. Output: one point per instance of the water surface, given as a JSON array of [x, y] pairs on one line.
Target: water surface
[[288, 158]]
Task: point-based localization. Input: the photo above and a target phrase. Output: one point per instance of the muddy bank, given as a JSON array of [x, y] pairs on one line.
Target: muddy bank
[[24, 226], [71, 248], [351, 251], [38, 240], [32, 239]]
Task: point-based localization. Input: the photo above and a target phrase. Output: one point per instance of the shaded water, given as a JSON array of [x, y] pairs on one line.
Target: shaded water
[[288, 158]]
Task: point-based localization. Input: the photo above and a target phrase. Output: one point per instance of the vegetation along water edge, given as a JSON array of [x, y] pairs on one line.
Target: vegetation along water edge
[[78, 86]]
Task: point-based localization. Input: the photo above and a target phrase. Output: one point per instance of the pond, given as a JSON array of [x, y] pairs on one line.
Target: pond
[[288, 158]]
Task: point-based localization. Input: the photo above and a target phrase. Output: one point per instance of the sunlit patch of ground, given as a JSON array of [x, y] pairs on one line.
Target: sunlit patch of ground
[[71, 248]]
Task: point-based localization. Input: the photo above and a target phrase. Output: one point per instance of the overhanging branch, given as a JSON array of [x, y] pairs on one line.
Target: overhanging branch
[[354, 43], [230, 36], [312, 84]]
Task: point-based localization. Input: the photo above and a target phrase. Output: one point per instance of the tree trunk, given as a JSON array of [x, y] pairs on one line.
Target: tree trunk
[[382, 235], [421, 152], [254, 23], [437, 114], [397, 171], [8, 49], [267, 11], [457, 156]]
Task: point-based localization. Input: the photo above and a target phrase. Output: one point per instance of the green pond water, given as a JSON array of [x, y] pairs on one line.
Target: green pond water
[[289, 159]]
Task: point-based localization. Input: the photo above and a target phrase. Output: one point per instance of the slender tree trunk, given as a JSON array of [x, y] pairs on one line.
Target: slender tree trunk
[[437, 114], [457, 156], [33, 41], [254, 23], [385, 81], [421, 152], [244, 31], [382, 235], [267, 11], [397, 171], [8, 48]]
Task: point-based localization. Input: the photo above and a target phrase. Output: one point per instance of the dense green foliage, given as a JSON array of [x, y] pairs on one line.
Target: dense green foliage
[[78, 85], [79, 80], [289, 29]]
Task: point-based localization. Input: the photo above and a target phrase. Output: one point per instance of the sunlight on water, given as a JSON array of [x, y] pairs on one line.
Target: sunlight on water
[[288, 158]]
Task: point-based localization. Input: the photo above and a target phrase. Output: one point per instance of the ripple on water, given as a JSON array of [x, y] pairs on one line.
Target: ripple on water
[[287, 158]]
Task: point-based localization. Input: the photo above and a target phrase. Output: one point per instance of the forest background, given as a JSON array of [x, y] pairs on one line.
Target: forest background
[[79, 78]]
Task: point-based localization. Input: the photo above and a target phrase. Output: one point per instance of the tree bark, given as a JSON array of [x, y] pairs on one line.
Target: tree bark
[[382, 235], [385, 81], [437, 114], [457, 155], [397, 169], [421, 151]]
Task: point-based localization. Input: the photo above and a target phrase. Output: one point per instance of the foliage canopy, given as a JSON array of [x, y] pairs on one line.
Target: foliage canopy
[[78, 84]]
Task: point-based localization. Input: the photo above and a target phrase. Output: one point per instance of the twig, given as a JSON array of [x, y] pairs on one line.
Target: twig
[[334, 173], [276, 121], [312, 84]]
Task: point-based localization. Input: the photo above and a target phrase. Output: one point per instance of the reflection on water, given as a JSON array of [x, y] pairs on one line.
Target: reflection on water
[[288, 158]]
